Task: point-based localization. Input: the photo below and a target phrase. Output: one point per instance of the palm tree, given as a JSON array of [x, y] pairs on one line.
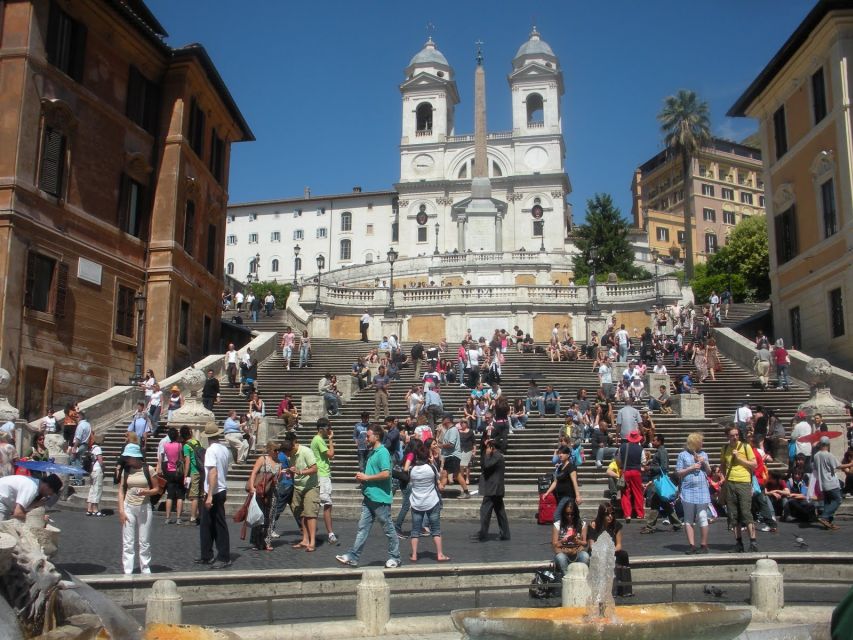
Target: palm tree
[[686, 127]]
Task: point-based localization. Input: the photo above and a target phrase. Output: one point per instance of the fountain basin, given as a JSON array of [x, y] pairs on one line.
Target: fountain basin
[[186, 632], [682, 621]]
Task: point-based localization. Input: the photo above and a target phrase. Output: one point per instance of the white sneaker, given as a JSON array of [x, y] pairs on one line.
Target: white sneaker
[[474, 492], [333, 539], [275, 534], [392, 564], [146, 571]]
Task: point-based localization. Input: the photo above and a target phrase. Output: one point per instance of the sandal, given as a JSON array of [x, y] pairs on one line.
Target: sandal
[[413, 559], [645, 530], [444, 559], [298, 545], [309, 549]]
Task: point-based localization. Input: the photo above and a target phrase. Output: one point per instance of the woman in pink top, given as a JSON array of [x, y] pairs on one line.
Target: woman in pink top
[[173, 471]]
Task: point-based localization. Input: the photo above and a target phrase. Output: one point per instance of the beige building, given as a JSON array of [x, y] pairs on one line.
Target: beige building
[[726, 188], [802, 102]]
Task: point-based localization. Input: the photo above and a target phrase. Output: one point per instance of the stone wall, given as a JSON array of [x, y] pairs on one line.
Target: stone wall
[[344, 327], [426, 328]]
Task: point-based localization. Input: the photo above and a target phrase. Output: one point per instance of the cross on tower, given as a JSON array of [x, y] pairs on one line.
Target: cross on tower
[[479, 44], [430, 29]]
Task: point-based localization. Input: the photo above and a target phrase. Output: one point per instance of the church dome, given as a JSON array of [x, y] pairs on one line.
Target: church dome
[[429, 55], [535, 47]]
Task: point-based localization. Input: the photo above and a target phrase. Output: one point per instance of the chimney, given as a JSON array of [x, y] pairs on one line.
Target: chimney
[[307, 192], [356, 189]]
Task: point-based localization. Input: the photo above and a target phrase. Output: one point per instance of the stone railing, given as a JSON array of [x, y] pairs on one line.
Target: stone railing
[[498, 135], [638, 294]]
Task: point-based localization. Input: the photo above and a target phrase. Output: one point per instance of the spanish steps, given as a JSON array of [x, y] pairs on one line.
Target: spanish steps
[[529, 450]]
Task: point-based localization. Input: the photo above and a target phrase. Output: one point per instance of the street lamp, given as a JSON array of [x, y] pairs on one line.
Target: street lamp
[[437, 227], [296, 251], [593, 255], [392, 258], [321, 262], [257, 267], [657, 287], [139, 301]]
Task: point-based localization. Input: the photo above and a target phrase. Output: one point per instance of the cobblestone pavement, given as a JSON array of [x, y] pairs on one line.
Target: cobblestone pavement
[[93, 545]]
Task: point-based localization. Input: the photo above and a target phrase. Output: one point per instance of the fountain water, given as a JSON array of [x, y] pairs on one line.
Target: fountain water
[[601, 604]]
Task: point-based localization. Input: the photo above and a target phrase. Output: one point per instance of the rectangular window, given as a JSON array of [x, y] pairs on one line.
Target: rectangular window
[[662, 234], [231, 240], [143, 101], [682, 238], [298, 234], [205, 335], [836, 313], [780, 133], [708, 190], [796, 329], [703, 170], [217, 156], [133, 207], [786, 235], [369, 230], [41, 271], [422, 234], [538, 228], [253, 217], [297, 213], [66, 43], [253, 238], [230, 219], [125, 312], [321, 232], [728, 217], [761, 201], [830, 217], [189, 227], [275, 236], [728, 194], [52, 165], [395, 232], [818, 96], [196, 128], [212, 245], [184, 324], [709, 215], [710, 243], [745, 197]]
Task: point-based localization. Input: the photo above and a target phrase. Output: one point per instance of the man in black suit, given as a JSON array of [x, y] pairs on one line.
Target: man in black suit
[[492, 490]]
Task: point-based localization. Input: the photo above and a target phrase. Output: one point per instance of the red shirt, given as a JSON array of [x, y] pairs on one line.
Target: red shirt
[[781, 356]]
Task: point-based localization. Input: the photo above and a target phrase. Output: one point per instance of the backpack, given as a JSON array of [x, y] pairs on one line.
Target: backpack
[[198, 454], [547, 583], [87, 461]]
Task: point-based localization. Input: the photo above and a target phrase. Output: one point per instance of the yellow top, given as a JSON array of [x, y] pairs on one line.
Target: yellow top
[[738, 473], [614, 467]]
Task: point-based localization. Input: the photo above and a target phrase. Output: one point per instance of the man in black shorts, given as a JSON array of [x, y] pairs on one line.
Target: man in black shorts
[[452, 449]]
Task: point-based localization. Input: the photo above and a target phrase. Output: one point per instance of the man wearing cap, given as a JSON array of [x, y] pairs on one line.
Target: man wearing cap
[[802, 428], [19, 494], [213, 527], [825, 465]]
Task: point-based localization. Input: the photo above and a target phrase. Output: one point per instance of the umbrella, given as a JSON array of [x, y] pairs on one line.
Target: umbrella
[[814, 438], [50, 467]]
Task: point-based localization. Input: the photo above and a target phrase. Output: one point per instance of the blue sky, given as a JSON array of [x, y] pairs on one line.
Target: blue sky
[[317, 81]]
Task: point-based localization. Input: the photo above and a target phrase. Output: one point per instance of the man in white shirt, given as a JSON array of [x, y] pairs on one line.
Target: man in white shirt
[[213, 527], [19, 494], [231, 365], [80, 443], [802, 428], [473, 369], [622, 341], [238, 298], [364, 325], [605, 378], [269, 303], [743, 416]]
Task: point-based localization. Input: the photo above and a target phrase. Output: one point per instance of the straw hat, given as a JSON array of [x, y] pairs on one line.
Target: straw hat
[[211, 429], [175, 388]]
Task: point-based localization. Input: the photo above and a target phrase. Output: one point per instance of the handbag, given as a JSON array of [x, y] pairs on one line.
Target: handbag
[[620, 481], [254, 515], [665, 487]]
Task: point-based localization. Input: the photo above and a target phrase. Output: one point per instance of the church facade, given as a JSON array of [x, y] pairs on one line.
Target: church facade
[[429, 210]]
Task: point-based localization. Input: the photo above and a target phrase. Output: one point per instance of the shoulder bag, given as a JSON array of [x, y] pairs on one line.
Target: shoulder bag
[[620, 481]]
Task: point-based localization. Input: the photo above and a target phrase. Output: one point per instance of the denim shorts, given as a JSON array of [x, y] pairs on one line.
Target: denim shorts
[[431, 518]]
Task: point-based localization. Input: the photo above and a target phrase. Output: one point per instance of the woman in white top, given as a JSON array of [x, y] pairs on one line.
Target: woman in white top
[[426, 503], [148, 384], [414, 399], [97, 486], [134, 509], [155, 405]]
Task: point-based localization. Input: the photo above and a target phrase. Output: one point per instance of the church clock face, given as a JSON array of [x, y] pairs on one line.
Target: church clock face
[[422, 163]]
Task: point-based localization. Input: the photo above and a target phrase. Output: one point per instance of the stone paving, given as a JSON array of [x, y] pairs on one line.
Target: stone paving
[[93, 545]]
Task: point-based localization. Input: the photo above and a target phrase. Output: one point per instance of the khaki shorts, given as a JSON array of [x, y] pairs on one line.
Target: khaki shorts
[[325, 491], [195, 486], [306, 502]]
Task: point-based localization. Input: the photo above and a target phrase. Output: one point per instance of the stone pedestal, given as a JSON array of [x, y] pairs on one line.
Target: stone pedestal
[[689, 405], [392, 326], [576, 591], [818, 373], [597, 323], [373, 602], [348, 386], [618, 371], [767, 593], [9, 413], [55, 444], [319, 325], [192, 414], [164, 604], [373, 367], [654, 381], [312, 409]]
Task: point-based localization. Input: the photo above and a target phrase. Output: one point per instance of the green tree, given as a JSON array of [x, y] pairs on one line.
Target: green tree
[[607, 231], [279, 290], [686, 127], [746, 254]]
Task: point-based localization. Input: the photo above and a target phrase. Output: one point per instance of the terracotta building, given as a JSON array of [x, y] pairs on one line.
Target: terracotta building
[[802, 103], [726, 187], [114, 154]]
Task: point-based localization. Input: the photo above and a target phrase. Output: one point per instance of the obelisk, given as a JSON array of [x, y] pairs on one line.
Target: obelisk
[[481, 160]]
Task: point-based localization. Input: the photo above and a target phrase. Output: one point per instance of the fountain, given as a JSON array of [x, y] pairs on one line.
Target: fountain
[[601, 618]]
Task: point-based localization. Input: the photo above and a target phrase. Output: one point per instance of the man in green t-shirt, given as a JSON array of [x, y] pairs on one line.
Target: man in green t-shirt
[[323, 448], [376, 488], [192, 474], [306, 491]]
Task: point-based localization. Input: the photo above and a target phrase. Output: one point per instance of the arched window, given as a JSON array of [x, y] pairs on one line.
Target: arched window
[[346, 221], [535, 109], [297, 263], [463, 172], [423, 116], [229, 268], [368, 258], [496, 170], [274, 266], [346, 249]]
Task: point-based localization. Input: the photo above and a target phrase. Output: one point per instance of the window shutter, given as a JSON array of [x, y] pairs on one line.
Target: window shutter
[[31, 279], [61, 289], [52, 162], [78, 51]]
